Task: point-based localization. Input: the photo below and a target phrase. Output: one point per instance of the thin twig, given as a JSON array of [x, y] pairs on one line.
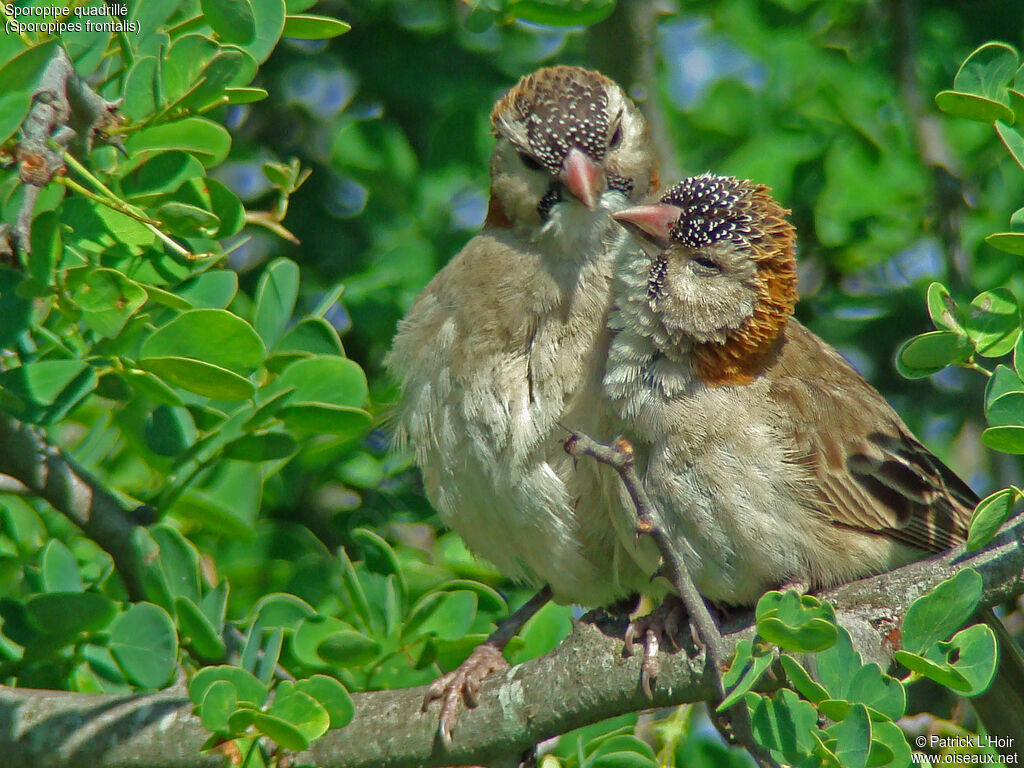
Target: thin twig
[[619, 456]]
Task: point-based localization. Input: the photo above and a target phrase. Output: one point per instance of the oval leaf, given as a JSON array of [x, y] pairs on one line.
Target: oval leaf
[[937, 615], [213, 336], [931, 352], [145, 645]]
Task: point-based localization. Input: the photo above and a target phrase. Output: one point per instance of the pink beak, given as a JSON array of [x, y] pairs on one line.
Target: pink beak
[[582, 177], [656, 220]]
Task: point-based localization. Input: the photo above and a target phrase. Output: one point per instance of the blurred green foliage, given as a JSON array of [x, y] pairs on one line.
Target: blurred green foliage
[[221, 380]]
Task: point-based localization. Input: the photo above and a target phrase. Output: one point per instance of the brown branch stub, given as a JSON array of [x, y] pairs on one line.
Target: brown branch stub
[[66, 114]]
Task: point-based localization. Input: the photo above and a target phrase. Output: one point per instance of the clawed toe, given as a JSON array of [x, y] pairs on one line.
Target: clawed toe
[[463, 684], [663, 623]]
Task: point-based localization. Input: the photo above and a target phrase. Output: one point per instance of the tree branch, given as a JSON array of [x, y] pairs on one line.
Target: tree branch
[[48, 473], [584, 680]]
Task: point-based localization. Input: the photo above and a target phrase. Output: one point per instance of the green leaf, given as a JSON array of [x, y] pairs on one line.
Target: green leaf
[[282, 610], [353, 587], [227, 208], [169, 431], [562, 13], [310, 633], [208, 141], [988, 72], [348, 648], [988, 516], [303, 711], [837, 666], [1010, 242], [142, 89], [942, 308], [201, 378], [107, 298], [145, 645], [214, 604], [67, 614], [784, 724], [325, 418], [213, 336], [245, 95], [166, 298], [878, 691], [993, 322], [328, 393], [1018, 357], [1012, 141], [261, 446], [853, 736], [179, 560], [931, 352], [60, 569], [210, 290], [233, 20], [280, 730], [267, 662], [184, 220], [309, 337], [798, 623], [972, 107], [888, 737], [972, 652], [448, 617], [937, 615], [269, 16], [1004, 439], [751, 665], [219, 701], [15, 309], [275, 299], [154, 581], [801, 680], [1006, 410], [1002, 381], [48, 389], [248, 689], [332, 696], [230, 66], [940, 672], [204, 636], [151, 386], [326, 379], [309, 27]]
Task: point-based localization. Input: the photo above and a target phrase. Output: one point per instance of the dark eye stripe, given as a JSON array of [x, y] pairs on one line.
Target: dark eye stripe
[[530, 162]]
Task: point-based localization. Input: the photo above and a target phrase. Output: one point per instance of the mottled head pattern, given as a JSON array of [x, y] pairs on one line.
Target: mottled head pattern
[[717, 209], [553, 110], [712, 210], [557, 109]]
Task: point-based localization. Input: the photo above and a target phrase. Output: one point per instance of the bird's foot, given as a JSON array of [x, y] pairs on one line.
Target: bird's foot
[[663, 624], [463, 683]]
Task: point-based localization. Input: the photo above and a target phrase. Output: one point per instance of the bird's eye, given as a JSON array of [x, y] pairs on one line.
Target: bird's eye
[[705, 266], [616, 138], [530, 162]]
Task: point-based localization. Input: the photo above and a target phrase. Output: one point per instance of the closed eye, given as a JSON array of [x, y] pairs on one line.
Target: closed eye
[[705, 266], [530, 162], [616, 138]]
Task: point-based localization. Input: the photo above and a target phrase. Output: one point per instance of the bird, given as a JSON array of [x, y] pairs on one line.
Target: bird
[[773, 461], [509, 340]]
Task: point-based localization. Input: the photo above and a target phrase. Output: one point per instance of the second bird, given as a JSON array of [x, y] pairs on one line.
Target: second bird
[[768, 455]]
